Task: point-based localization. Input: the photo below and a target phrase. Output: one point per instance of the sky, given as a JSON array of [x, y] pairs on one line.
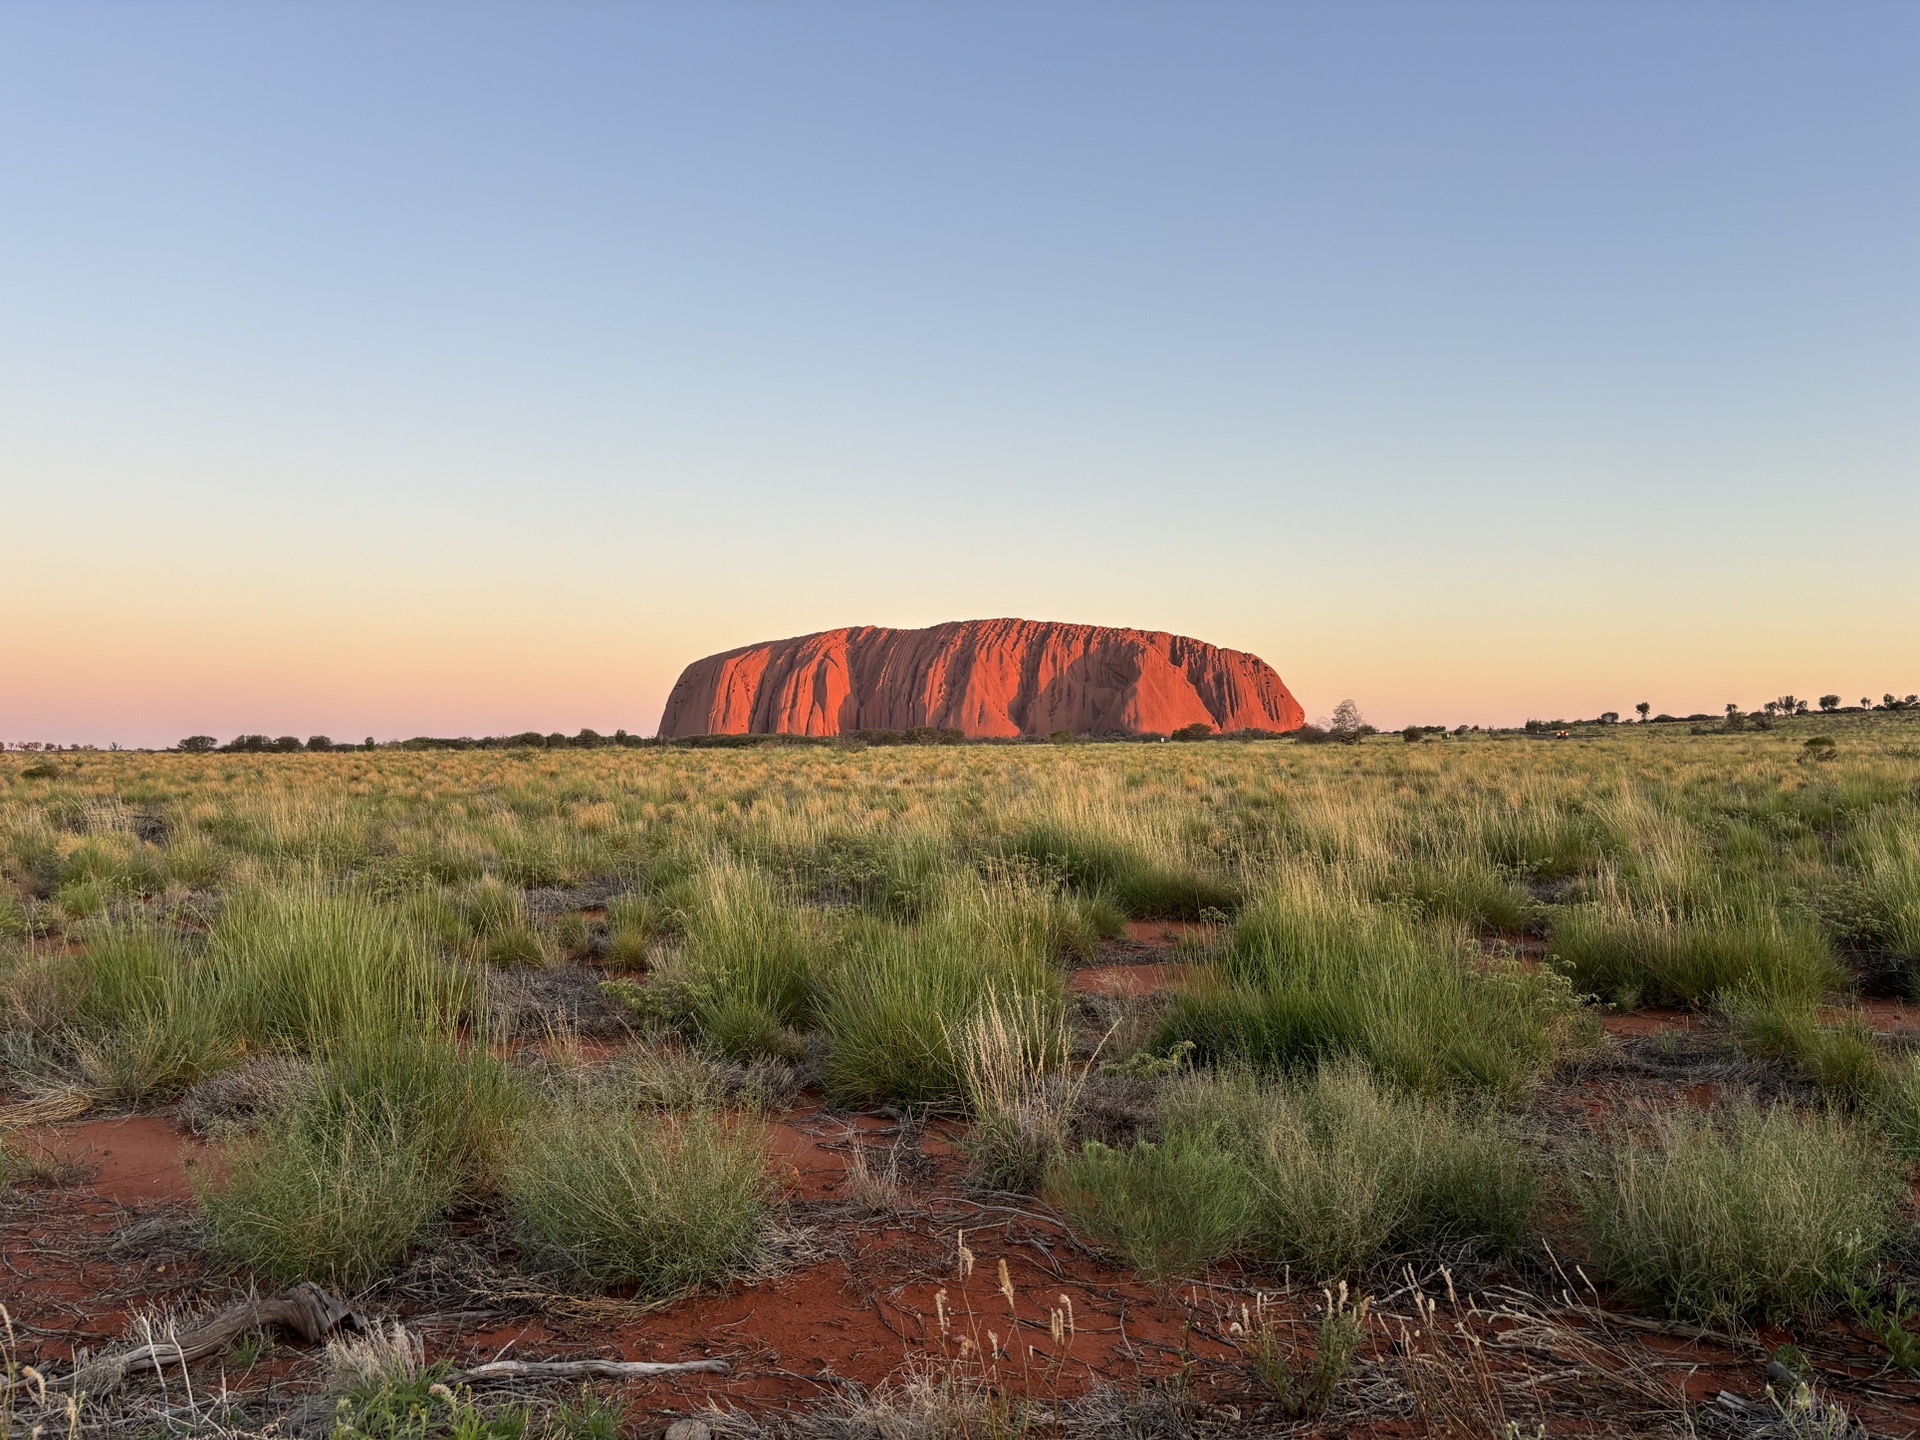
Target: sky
[[395, 369]]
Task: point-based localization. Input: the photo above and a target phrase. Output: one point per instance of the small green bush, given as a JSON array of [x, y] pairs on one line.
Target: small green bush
[[1844, 1059], [1350, 1172], [662, 1202], [1750, 1213], [341, 1186], [1311, 973], [1171, 1208], [1657, 959], [1099, 862]]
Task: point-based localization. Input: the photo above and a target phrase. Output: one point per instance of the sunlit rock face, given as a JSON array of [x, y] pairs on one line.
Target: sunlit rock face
[[989, 679]]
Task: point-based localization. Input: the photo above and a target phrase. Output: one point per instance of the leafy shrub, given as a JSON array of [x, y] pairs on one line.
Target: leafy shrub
[[1751, 1213], [1304, 1388]]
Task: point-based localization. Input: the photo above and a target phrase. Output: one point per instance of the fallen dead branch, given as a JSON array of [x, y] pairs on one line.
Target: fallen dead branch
[[45, 1109], [580, 1369], [307, 1311]]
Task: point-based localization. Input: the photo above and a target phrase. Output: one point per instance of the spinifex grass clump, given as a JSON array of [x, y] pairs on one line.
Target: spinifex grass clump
[[1842, 1058], [495, 914], [1101, 863], [896, 999], [308, 965], [1330, 1175], [1171, 1207], [1888, 852], [1532, 831], [1899, 1108], [147, 1024], [1312, 972], [1455, 887], [1649, 955], [664, 1202], [342, 1185], [1351, 1172], [1747, 1213], [1012, 1054], [749, 960], [1103, 841]]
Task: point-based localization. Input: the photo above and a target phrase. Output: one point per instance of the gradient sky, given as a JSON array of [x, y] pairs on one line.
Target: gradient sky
[[460, 369]]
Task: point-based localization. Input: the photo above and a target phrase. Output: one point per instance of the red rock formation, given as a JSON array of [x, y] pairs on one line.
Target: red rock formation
[[986, 678]]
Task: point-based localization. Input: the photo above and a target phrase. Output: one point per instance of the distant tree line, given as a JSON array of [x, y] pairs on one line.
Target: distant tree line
[[1345, 726]]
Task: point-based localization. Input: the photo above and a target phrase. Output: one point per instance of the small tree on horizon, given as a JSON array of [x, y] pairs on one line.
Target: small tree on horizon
[[1347, 721], [198, 744], [1644, 709], [1829, 702]]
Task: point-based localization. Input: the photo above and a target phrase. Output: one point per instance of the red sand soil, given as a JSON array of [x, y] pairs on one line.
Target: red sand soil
[[132, 1160], [1136, 963], [1886, 1017], [1655, 1021], [1163, 933], [1148, 977]]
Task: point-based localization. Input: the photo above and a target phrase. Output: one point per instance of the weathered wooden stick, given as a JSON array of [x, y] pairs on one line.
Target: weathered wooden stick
[[575, 1369], [306, 1310]]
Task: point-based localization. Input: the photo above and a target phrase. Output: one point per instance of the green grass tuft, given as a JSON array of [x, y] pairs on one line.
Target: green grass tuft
[[1747, 1214], [1311, 973], [662, 1202], [1171, 1208]]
